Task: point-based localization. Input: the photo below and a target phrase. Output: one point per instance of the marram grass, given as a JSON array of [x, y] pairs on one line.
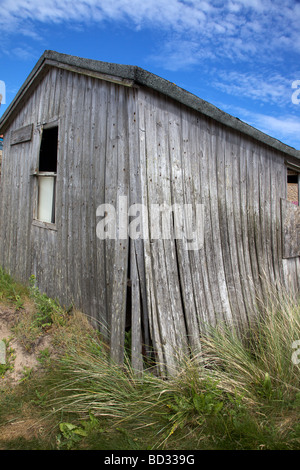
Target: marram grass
[[242, 392], [231, 389]]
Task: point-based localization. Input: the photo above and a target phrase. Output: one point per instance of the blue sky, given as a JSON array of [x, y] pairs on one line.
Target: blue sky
[[241, 55]]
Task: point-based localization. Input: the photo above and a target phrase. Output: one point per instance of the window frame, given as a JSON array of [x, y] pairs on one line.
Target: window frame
[[296, 168], [40, 174]]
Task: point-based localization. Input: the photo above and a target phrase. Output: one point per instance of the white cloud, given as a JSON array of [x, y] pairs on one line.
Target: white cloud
[[233, 24], [195, 32], [168, 12], [178, 54], [285, 127], [264, 87]]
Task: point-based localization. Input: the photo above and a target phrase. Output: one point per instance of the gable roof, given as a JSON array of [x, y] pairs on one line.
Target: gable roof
[[129, 75]]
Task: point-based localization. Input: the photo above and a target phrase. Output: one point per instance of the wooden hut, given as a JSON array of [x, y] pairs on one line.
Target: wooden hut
[[82, 133], [1, 144]]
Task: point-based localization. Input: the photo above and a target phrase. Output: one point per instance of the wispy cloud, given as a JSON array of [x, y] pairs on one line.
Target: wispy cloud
[[233, 28], [264, 87], [178, 53], [21, 53], [242, 45], [285, 127]]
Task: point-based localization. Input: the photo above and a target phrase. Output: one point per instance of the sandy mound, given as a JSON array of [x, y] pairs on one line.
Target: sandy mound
[[22, 360]]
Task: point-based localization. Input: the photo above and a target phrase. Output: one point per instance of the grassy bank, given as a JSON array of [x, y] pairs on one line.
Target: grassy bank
[[243, 392]]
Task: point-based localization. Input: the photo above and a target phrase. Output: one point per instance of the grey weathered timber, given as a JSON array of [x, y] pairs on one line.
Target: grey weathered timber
[[126, 133], [21, 135], [136, 313], [290, 229]]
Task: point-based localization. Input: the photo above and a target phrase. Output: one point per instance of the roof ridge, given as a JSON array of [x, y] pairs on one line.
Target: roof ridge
[[143, 77]]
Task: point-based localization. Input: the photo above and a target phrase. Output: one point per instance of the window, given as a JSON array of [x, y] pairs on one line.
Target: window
[[293, 186], [47, 175]]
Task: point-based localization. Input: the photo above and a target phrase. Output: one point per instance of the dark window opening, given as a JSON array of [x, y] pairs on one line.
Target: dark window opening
[[293, 186], [48, 150], [47, 175]]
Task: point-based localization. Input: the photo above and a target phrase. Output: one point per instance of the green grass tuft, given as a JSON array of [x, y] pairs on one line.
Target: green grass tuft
[[242, 392]]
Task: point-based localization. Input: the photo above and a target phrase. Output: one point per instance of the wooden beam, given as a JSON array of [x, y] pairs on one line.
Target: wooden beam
[[91, 73]]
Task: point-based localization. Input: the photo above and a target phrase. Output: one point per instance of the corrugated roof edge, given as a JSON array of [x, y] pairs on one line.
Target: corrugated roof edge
[[143, 77]]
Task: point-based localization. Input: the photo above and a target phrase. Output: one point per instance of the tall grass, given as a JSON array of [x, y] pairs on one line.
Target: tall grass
[[260, 362], [242, 392], [10, 290]]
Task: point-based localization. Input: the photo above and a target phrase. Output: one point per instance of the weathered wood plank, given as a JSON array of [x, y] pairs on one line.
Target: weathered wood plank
[[120, 256], [197, 258], [290, 214], [139, 308], [152, 307], [236, 243], [277, 190], [24, 134], [177, 175], [136, 314], [158, 261], [249, 291], [101, 103], [219, 287], [169, 243]]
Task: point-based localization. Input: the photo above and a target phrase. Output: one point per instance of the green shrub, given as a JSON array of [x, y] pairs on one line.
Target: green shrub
[[48, 311]]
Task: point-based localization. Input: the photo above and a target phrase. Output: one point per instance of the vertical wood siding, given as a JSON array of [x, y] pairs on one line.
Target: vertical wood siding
[[116, 141], [70, 263], [190, 158]]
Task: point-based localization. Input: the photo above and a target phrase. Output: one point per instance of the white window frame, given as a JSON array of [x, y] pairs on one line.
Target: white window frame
[[39, 175]]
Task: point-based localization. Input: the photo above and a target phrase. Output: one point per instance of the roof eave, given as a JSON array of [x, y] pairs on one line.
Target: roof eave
[[192, 101], [144, 78]]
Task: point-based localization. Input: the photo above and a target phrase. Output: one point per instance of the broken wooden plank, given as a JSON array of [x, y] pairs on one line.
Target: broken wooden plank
[[136, 316]]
